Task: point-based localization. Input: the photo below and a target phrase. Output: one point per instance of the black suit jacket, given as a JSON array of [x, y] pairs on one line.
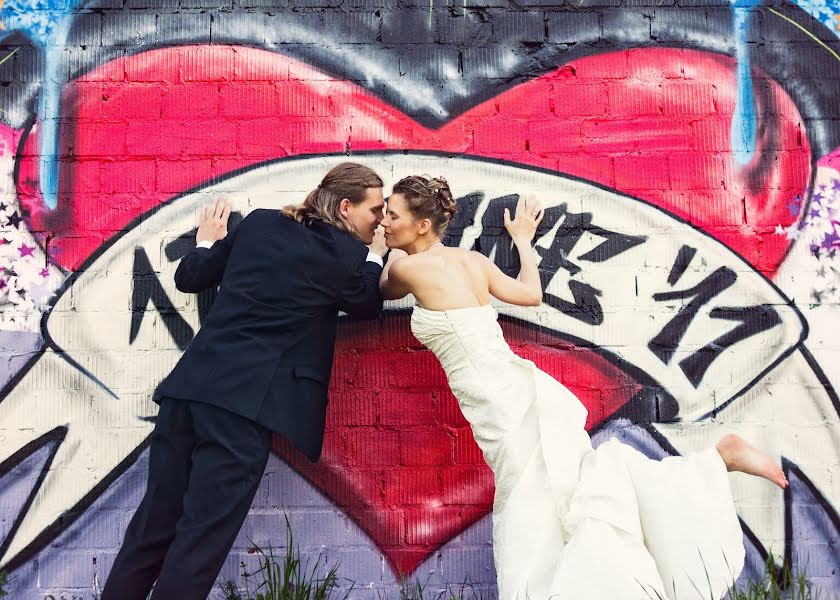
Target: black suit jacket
[[265, 349]]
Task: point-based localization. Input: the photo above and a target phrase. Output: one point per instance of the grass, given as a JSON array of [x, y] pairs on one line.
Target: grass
[[777, 583], [286, 577], [415, 590]]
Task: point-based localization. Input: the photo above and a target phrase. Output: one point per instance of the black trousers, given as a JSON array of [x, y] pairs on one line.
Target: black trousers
[[205, 465]]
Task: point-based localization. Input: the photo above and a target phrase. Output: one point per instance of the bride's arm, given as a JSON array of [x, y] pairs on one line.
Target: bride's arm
[[392, 282], [526, 290]]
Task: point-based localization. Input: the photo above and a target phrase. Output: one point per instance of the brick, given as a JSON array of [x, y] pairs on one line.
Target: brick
[[506, 136], [450, 412], [318, 135], [400, 409], [153, 67], [202, 139], [171, 4], [710, 135], [634, 97], [128, 176], [534, 100], [417, 530], [86, 179], [205, 4], [463, 27], [471, 565], [396, 332], [492, 62], [689, 98], [191, 101], [129, 29], [25, 66], [86, 30], [634, 173], [374, 370], [429, 63], [570, 27], [353, 27], [250, 65], [179, 173], [353, 409], [676, 24], [407, 27], [517, 27], [426, 447], [66, 570], [200, 63], [580, 99], [705, 171], [461, 485], [371, 447], [183, 28], [87, 140], [248, 100], [151, 138], [134, 100], [418, 371], [586, 70], [406, 487], [360, 335]]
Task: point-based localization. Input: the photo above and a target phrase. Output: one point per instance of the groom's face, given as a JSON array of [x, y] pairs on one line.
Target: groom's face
[[367, 214]]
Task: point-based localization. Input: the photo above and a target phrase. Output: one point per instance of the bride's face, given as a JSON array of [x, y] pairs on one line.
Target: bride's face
[[400, 225]]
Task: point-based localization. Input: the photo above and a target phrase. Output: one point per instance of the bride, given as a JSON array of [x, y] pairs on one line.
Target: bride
[[569, 521]]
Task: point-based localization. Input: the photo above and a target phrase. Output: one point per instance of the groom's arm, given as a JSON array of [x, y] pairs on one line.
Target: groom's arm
[[204, 266], [360, 297]]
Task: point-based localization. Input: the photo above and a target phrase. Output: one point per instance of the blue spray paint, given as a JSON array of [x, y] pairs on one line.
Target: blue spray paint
[[46, 23], [744, 119]]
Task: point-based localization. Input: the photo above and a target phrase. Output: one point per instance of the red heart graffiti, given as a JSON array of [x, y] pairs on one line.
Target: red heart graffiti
[[398, 456]]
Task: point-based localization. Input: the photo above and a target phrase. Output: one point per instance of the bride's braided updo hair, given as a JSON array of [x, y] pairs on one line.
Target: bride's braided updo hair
[[428, 198]]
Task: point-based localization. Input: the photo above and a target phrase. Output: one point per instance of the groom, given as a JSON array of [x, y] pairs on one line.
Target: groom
[[261, 362]]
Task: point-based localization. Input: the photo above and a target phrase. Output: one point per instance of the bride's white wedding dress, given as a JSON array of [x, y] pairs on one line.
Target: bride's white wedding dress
[[570, 522]]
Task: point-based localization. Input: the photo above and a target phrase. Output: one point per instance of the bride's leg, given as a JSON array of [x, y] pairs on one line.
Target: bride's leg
[[738, 455]]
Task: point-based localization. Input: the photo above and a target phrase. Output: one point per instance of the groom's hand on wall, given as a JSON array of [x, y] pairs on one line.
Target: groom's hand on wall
[[212, 224]]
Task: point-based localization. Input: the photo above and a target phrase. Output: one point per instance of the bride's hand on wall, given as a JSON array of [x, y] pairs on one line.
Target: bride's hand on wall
[[529, 213]]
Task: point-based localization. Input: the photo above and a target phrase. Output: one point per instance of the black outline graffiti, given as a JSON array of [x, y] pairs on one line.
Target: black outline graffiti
[[146, 287]]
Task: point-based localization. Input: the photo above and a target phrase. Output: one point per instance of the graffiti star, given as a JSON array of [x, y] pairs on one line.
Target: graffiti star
[[25, 250], [830, 239], [793, 233], [14, 220], [40, 294], [780, 230], [45, 272]]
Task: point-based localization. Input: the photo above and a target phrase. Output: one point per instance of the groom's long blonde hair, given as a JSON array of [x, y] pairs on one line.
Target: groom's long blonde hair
[[346, 180]]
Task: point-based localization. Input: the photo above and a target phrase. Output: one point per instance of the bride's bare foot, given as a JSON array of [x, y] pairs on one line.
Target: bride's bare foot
[[738, 455]]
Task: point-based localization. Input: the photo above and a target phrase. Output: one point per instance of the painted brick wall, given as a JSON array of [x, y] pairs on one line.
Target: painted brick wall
[[710, 129]]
